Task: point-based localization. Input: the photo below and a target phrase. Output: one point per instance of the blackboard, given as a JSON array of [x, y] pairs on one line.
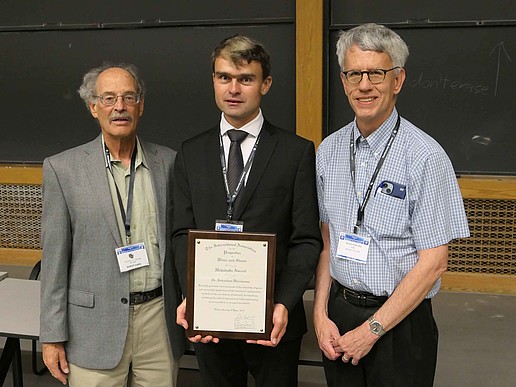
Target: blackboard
[[436, 12], [19, 14], [460, 75], [459, 88], [43, 63]]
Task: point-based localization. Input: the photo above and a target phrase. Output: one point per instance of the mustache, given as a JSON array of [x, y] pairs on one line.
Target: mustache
[[122, 115]]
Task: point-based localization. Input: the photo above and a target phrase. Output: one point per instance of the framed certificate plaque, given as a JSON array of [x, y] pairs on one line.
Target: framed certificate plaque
[[230, 289]]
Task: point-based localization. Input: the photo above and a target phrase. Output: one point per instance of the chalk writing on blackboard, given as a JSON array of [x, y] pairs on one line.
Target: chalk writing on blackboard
[[499, 48], [446, 82]]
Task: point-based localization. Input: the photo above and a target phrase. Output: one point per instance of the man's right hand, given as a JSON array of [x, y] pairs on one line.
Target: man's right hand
[[54, 357], [327, 335], [181, 320]]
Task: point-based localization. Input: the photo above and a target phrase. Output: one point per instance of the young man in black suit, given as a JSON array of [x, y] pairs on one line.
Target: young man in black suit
[[277, 195]]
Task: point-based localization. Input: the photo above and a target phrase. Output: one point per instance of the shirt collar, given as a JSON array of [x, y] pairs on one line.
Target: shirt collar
[[253, 127], [378, 139], [140, 156]]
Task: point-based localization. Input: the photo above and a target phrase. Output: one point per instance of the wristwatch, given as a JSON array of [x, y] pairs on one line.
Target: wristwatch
[[376, 326]]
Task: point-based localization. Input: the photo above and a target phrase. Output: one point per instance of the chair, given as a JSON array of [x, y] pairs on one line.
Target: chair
[[34, 275]]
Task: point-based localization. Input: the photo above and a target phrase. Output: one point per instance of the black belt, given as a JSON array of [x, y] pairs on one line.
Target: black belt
[[359, 298], [141, 297]]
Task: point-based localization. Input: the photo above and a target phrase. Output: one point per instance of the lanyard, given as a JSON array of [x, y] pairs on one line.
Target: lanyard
[[230, 197], [126, 217], [361, 209]]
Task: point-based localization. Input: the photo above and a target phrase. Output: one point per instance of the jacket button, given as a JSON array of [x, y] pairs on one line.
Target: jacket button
[[124, 300]]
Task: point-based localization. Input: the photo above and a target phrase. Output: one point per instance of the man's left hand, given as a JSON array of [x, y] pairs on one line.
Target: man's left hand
[[279, 321], [355, 344]]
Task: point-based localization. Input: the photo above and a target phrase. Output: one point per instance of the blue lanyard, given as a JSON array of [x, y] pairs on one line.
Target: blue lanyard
[[361, 209], [126, 217]]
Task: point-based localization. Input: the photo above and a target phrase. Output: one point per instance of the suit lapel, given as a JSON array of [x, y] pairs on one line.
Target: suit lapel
[[214, 167], [264, 152], [95, 167]]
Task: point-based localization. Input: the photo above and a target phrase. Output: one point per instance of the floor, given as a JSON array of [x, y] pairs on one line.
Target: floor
[[477, 346]]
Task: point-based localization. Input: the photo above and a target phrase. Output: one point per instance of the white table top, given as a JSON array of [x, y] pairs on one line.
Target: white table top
[[19, 308], [3, 275]]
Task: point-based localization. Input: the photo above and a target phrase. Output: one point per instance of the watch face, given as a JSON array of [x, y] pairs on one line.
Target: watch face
[[376, 326]]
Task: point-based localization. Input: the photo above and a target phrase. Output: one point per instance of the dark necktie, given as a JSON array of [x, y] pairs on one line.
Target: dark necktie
[[235, 159]]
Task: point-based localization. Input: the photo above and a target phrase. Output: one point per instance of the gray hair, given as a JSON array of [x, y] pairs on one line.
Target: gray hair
[[373, 37], [88, 90]]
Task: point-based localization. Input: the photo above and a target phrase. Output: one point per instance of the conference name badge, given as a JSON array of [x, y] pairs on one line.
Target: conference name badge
[[353, 247], [132, 257], [229, 225]]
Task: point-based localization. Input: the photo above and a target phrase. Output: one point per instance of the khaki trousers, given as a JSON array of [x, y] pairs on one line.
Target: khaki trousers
[[147, 359]]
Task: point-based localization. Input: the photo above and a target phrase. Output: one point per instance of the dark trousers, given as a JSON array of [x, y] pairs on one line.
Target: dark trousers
[[227, 363], [405, 356]]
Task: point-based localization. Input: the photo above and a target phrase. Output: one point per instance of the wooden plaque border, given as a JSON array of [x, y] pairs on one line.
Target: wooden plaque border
[[194, 235]]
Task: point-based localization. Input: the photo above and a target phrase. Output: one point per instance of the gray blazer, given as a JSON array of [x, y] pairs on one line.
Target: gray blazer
[[83, 294]]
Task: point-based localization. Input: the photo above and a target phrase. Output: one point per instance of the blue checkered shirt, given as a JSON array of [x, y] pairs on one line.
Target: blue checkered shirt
[[431, 214]]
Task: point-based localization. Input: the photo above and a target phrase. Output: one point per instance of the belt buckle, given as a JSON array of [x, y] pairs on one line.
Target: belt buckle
[[344, 293], [137, 298]]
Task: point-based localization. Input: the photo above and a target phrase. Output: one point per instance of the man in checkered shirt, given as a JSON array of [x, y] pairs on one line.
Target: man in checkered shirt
[[389, 205]]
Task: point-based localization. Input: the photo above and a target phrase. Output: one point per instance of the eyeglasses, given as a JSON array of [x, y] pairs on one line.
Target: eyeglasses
[[375, 76], [110, 99]]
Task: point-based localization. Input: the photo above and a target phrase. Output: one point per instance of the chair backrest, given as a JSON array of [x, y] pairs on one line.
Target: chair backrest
[[34, 274]]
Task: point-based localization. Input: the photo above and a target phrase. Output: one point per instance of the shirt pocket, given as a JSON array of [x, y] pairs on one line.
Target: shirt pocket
[[387, 216]]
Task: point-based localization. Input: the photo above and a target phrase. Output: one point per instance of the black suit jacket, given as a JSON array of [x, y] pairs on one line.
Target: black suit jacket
[[279, 197]]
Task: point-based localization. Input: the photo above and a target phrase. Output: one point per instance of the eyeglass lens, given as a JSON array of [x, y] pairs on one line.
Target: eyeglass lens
[[375, 76], [128, 98]]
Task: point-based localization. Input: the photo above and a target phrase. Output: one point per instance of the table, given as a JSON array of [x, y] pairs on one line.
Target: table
[[19, 319]]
